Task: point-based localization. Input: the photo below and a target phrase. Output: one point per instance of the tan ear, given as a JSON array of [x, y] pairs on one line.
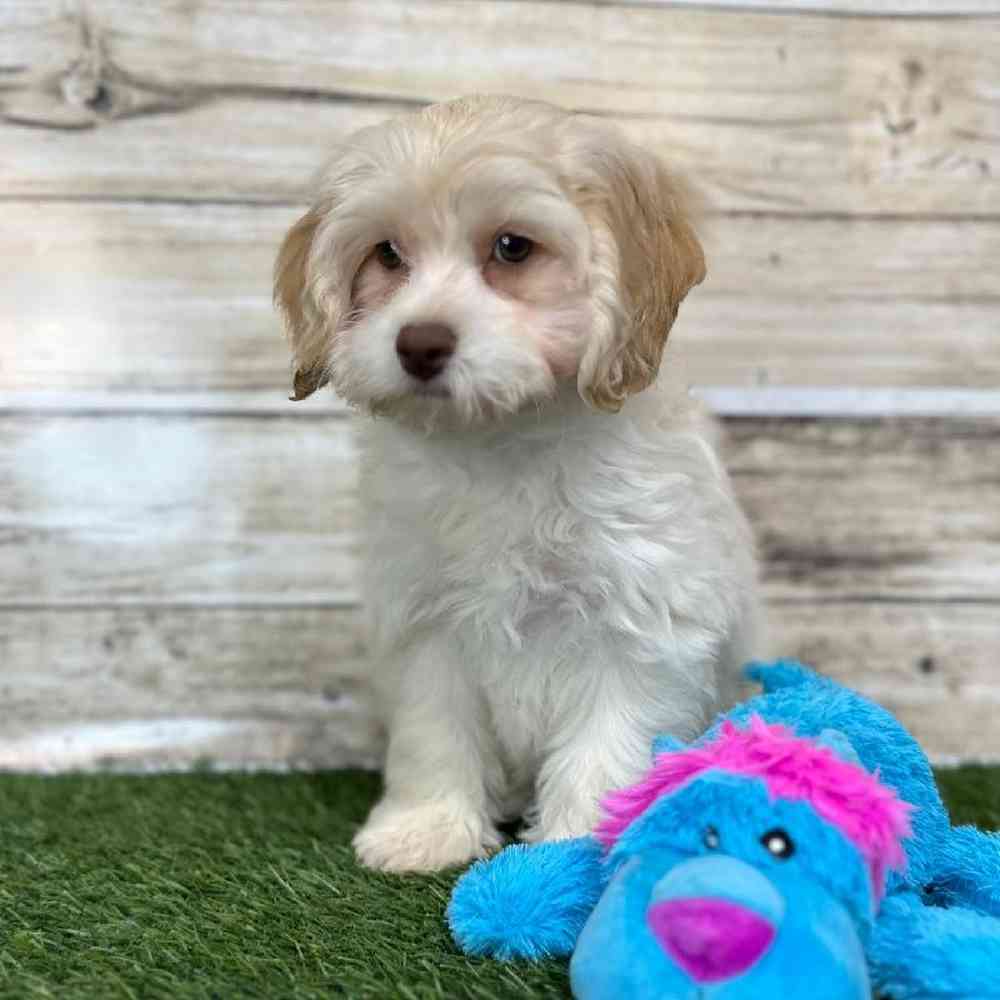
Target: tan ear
[[307, 329], [648, 214]]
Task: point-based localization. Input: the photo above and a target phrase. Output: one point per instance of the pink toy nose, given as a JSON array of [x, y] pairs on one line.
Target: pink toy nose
[[710, 939]]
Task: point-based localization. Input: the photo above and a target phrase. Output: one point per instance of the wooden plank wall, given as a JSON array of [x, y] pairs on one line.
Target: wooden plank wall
[[178, 558]]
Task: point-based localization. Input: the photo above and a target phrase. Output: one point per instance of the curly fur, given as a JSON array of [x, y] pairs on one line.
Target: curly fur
[[549, 582], [867, 813]]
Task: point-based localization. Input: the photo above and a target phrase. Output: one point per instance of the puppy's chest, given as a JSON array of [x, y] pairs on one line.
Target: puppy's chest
[[486, 540], [469, 526]]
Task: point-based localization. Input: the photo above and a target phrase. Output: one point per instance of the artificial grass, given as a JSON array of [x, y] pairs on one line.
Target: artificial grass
[[228, 886]]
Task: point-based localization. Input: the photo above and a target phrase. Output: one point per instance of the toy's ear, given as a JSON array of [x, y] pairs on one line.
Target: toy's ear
[[835, 740], [529, 901]]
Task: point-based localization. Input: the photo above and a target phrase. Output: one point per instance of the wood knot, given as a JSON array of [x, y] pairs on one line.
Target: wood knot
[[89, 90]]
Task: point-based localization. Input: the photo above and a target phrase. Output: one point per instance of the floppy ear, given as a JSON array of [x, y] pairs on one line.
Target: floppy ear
[[309, 329], [647, 213]]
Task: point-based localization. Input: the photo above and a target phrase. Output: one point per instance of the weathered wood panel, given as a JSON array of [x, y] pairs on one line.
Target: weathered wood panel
[[878, 509], [168, 687], [794, 113], [864, 8], [189, 510], [152, 687], [726, 401], [230, 511], [177, 296], [180, 586]]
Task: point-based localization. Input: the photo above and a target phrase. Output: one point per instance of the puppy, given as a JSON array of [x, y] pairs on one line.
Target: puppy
[[556, 568]]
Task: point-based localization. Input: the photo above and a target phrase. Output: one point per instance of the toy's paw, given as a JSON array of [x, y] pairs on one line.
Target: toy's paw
[[527, 902], [423, 837], [918, 951]]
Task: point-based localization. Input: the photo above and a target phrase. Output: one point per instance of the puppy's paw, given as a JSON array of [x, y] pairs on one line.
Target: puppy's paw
[[423, 837]]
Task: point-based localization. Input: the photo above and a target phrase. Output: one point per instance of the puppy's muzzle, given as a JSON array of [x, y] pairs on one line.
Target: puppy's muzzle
[[424, 348]]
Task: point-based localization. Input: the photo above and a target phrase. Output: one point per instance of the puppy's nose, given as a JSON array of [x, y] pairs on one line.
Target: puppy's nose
[[424, 348]]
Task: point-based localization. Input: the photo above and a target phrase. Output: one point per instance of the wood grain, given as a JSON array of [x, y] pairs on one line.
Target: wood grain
[[860, 8], [177, 297], [160, 510], [799, 113], [188, 510], [236, 687], [156, 688], [180, 581], [878, 509]]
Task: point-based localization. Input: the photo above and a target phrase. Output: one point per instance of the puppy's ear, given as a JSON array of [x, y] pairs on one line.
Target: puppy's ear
[[647, 213], [309, 329]]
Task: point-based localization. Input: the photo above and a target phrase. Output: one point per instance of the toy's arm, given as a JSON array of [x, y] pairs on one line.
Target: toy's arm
[[968, 871], [917, 951], [530, 901]]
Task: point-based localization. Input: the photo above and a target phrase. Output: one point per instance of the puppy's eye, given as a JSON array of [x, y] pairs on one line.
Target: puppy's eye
[[512, 249], [778, 843], [388, 255], [711, 839]]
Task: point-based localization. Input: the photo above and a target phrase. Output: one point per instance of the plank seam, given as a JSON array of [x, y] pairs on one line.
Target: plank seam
[[764, 401], [145, 604], [753, 214], [831, 11], [962, 600], [297, 604]]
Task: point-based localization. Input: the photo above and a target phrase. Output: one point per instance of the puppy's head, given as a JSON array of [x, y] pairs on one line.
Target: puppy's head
[[469, 258]]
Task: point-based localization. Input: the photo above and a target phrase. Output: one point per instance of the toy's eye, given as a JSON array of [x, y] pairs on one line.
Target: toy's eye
[[512, 249], [779, 844], [388, 255], [710, 838]]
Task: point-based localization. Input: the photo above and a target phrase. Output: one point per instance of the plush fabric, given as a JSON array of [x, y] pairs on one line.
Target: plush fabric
[[816, 953], [867, 812], [741, 812], [921, 952], [527, 902], [811, 705], [687, 896]]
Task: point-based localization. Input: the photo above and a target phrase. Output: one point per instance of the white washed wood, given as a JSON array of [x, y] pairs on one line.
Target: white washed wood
[[159, 510], [735, 401], [861, 8], [177, 297], [891, 152], [154, 688], [172, 744], [872, 509], [185, 509], [171, 687], [800, 113], [710, 62], [273, 146]]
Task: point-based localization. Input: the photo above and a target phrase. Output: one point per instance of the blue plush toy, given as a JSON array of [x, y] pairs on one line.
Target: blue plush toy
[[799, 849]]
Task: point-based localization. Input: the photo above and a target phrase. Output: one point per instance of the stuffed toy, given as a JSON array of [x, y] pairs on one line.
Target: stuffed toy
[[799, 848]]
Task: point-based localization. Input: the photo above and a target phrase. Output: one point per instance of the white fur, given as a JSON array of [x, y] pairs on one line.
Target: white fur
[[545, 598], [549, 585]]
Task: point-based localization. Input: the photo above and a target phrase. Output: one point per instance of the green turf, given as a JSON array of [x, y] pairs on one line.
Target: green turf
[[226, 886]]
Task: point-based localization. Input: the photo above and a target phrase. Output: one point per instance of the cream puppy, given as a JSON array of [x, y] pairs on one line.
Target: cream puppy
[[556, 568]]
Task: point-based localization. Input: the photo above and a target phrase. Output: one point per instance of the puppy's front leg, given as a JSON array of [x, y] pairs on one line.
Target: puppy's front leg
[[441, 772], [602, 736]]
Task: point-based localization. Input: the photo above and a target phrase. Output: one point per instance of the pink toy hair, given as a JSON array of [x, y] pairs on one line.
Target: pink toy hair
[[869, 814]]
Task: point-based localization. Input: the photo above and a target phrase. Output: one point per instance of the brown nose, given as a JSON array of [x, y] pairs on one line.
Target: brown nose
[[424, 348]]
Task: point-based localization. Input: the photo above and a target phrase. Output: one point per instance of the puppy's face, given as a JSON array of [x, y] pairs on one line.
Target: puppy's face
[[469, 258]]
